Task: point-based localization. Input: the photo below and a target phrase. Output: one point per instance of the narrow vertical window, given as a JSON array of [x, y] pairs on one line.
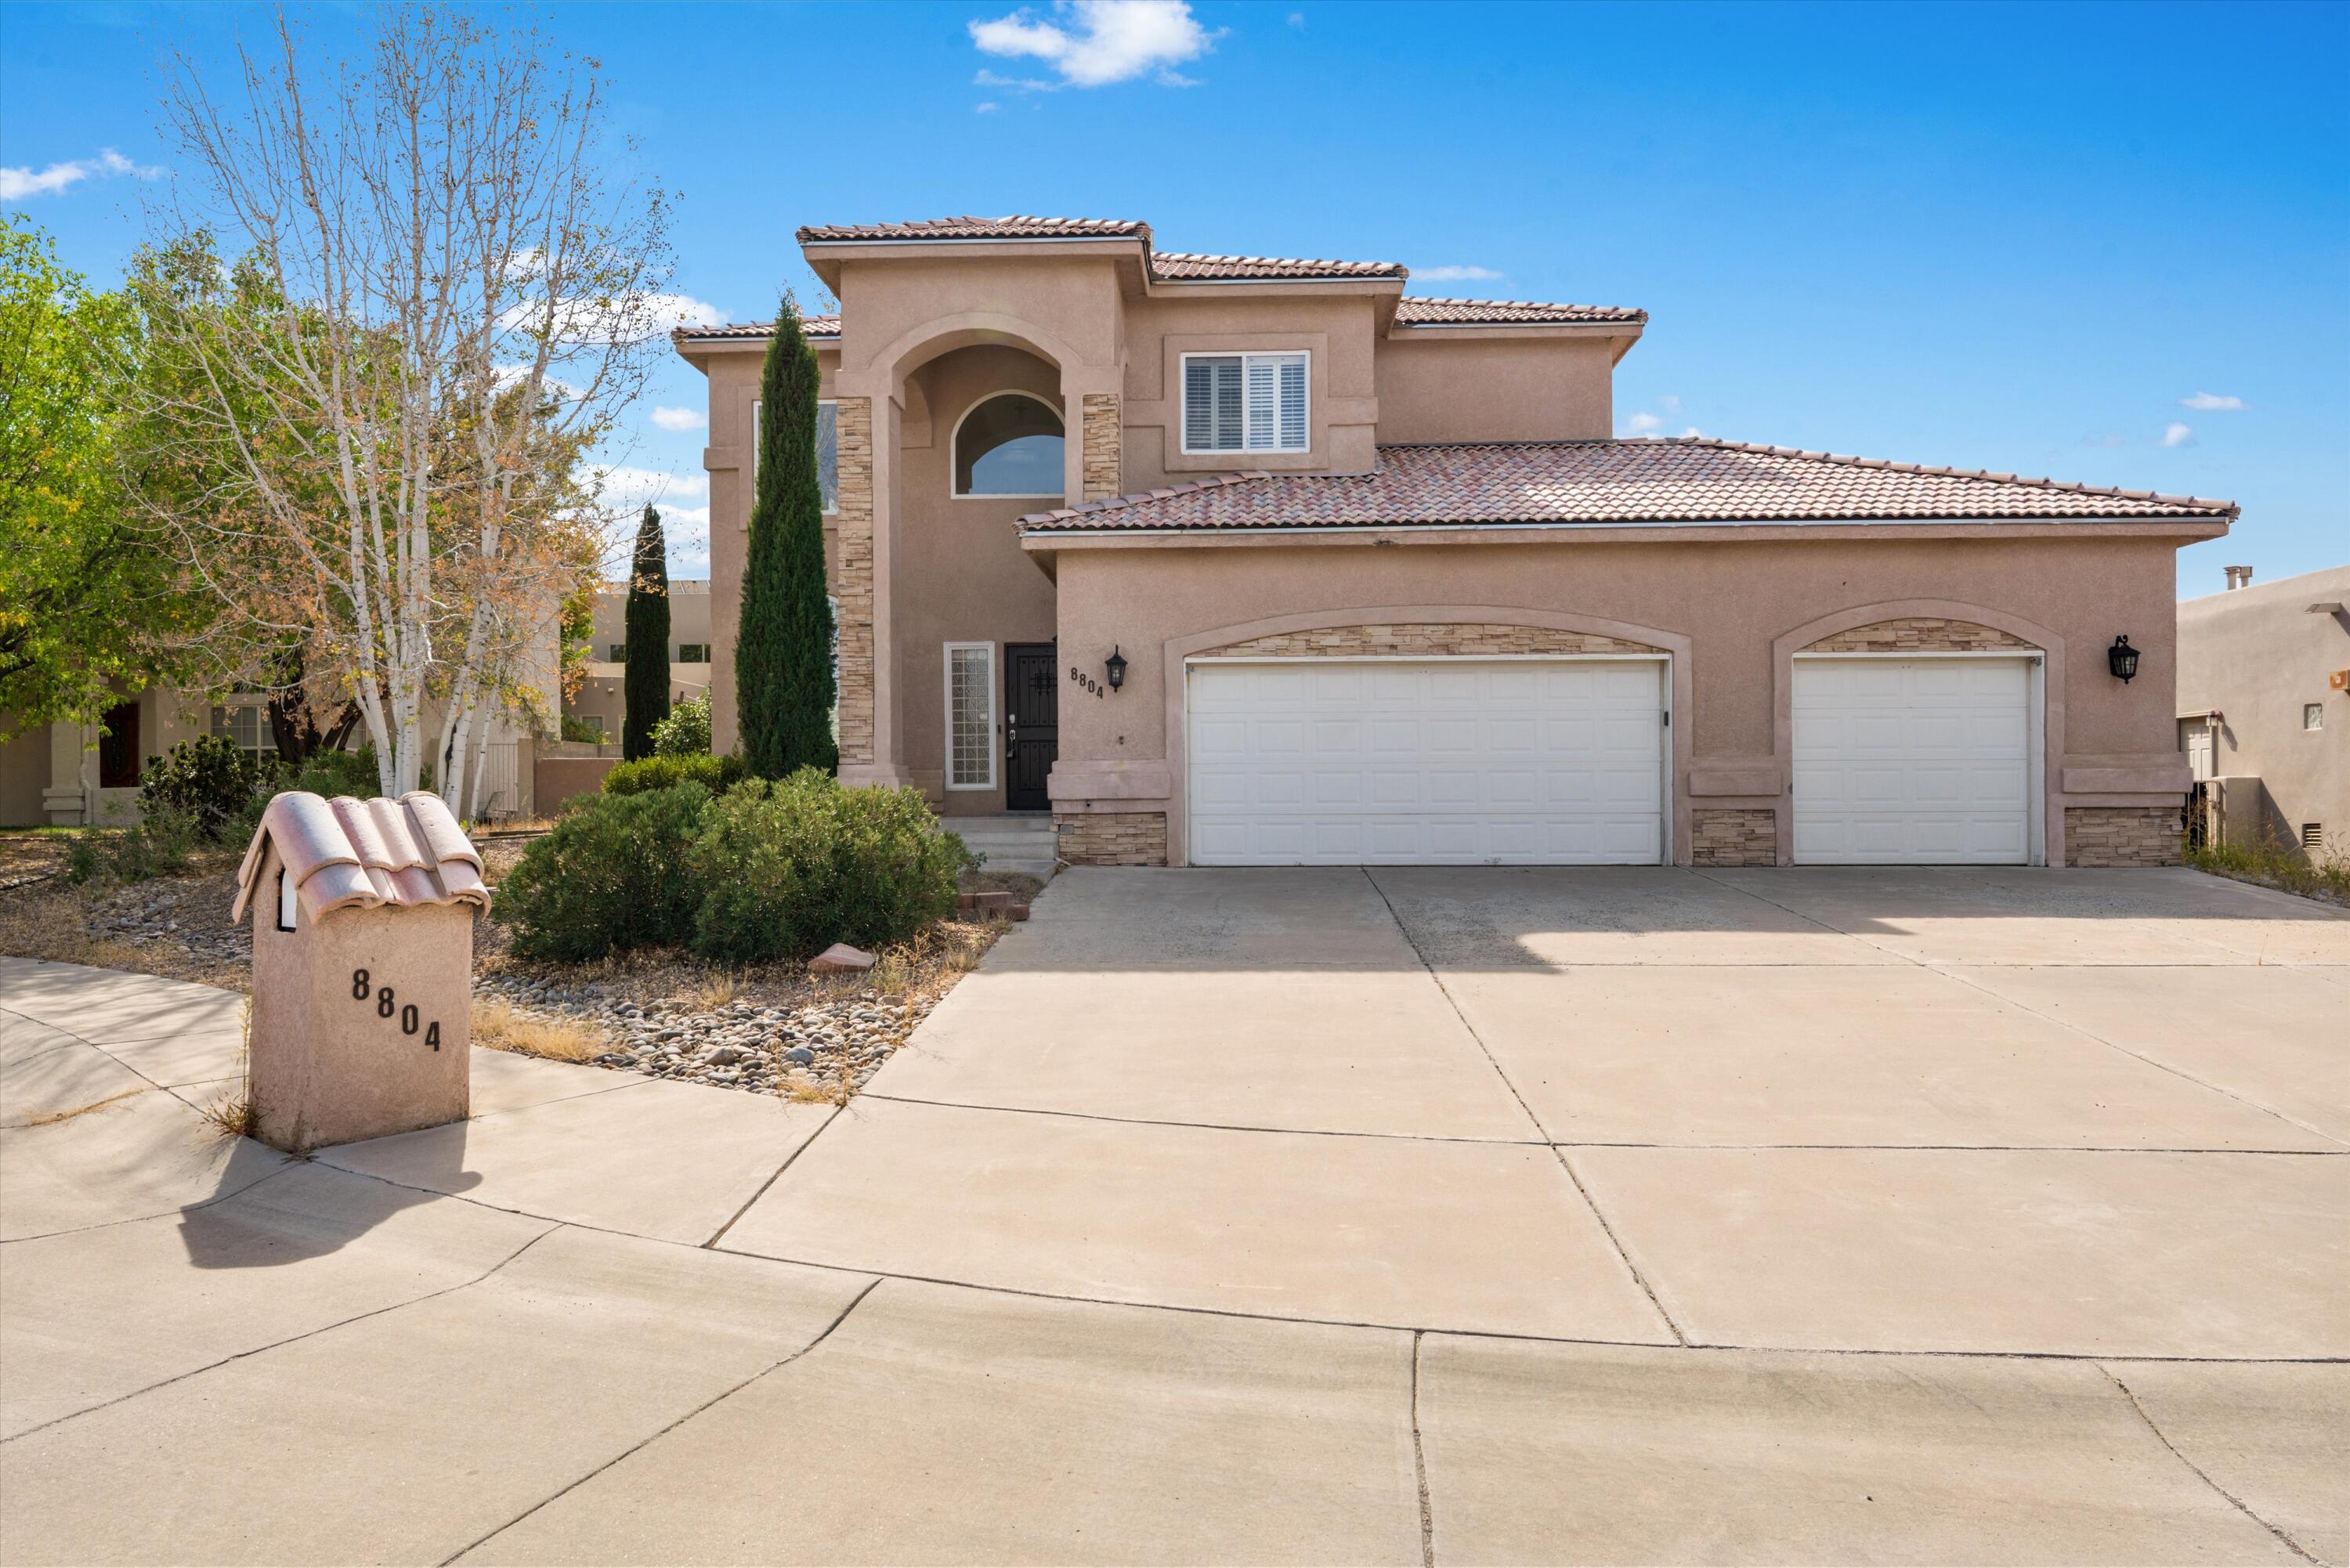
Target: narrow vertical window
[[971, 715], [286, 898]]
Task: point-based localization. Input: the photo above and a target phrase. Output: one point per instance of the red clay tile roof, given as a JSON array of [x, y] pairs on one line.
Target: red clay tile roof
[[363, 854], [1018, 226], [1504, 312], [1682, 479], [1182, 264], [814, 325]]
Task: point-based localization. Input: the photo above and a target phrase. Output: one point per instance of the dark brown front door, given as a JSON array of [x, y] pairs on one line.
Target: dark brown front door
[[1032, 730], [117, 748]]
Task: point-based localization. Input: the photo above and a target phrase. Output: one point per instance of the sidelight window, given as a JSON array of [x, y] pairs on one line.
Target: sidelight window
[[971, 715]]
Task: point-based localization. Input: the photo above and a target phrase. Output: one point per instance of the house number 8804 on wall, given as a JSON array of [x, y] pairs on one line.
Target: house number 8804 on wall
[[1079, 677], [389, 1006]]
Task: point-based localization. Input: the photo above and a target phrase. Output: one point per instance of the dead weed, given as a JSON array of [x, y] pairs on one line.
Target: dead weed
[[500, 1026]]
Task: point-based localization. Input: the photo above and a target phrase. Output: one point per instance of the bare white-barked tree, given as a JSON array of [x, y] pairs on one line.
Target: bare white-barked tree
[[442, 286]]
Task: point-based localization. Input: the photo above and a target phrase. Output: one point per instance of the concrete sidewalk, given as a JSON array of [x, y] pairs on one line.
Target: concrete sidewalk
[[1310, 1216]]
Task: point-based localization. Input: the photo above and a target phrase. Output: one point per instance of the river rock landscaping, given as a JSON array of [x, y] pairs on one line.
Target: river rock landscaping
[[761, 1029]]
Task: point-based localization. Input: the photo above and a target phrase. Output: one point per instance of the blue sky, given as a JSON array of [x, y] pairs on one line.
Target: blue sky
[[2048, 239]]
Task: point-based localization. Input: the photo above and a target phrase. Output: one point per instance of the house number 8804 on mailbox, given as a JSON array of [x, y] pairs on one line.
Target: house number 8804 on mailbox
[[362, 968]]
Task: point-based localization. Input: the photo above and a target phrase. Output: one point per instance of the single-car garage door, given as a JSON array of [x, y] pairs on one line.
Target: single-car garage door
[[1913, 762], [1301, 762]]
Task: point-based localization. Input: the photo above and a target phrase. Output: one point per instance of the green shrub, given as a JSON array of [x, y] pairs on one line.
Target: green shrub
[[715, 775], [587, 730], [210, 779], [162, 845], [331, 773], [790, 868], [610, 876], [686, 732]]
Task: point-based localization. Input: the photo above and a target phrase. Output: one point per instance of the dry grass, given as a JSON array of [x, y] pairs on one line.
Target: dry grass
[[804, 1090], [709, 993], [232, 1116], [51, 920], [502, 1027], [53, 1117], [2322, 875]]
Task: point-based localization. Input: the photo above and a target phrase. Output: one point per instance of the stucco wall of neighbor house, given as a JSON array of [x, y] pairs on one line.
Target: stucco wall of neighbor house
[[601, 695], [2258, 656], [1451, 385], [1731, 606], [23, 774]]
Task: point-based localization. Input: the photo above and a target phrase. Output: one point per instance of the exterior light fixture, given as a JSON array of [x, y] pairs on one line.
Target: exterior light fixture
[[2122, 659], [1115, 668]]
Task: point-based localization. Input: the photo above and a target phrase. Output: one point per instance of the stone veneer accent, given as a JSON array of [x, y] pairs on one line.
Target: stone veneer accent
[[854, 521], [1920, 634], [1111, 837], [1435, 637], [1105, 469], [1734, 836], [2122, 836]]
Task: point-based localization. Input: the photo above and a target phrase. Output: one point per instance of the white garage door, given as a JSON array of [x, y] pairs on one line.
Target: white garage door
[[1923, 761], [1442, 761]]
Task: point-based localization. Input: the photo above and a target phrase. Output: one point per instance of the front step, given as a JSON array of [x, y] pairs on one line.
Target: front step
[[1025, 845]]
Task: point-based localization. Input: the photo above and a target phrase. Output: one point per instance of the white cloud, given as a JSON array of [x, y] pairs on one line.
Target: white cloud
[[1454, 274], [680, 418], [1670, 403], [1105, 41], [1297, 20], [18, 182], [2177, 434], [1643, 424], [684, 496], [986, 108], [2210, 401], [1692, 434]]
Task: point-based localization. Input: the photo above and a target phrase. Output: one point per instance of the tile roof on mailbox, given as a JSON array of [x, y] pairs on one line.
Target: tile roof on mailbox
[[1643, 481], [346, 853]]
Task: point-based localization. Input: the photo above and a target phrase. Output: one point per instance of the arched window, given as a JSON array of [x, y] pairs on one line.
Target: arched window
[[1009, 444]]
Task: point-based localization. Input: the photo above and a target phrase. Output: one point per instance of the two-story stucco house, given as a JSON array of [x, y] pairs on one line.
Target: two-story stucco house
[[1231, 560]]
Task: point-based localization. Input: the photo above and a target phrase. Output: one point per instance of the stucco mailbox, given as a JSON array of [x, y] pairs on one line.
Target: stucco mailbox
[[362, 967]]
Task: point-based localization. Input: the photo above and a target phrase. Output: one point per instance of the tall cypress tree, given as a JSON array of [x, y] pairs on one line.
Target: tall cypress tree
[[644, 683], [783, 645]]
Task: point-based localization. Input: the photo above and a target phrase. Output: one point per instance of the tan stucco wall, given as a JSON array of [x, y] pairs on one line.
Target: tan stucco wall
[[2258, 654], [1736, 610], [1441, 386]]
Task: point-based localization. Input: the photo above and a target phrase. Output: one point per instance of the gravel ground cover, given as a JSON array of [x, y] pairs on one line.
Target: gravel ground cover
[[770, 1028]]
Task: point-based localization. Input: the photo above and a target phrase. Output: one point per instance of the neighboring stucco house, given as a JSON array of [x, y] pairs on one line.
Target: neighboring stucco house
[[2264, 708], [1378, 584], [601, 700]]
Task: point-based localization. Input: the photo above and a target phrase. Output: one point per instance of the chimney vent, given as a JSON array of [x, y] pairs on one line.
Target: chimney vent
[[2237, 578]]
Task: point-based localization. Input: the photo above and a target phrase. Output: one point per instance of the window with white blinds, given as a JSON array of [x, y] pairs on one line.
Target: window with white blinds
[[971, 715], [1244, 402]]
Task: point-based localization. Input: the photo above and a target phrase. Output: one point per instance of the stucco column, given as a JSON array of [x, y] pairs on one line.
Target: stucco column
[[66, 797]]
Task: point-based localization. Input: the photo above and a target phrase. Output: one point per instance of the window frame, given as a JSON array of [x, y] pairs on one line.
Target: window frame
[[1183, 402], [2313, 717], [954, 444], [821, 404], [948, 708], [693, 653]]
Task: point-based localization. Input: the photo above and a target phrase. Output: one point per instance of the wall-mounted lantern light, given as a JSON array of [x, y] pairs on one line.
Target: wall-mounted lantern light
[[1115, 666], [2122, 659]]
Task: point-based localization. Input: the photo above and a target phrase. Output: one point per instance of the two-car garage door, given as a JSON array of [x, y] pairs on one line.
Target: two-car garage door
[[1460, 761]]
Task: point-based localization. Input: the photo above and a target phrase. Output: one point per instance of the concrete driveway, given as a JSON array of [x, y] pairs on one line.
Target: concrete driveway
[[1416, 1216]]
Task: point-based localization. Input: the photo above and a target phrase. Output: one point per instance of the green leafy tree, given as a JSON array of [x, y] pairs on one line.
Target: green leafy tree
[[644, 682], [783, 645], [88, 607]]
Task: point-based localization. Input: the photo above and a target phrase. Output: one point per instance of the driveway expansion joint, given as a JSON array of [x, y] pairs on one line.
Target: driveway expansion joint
[[1566, 1165], [719, 1397], [2201, 1474]]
